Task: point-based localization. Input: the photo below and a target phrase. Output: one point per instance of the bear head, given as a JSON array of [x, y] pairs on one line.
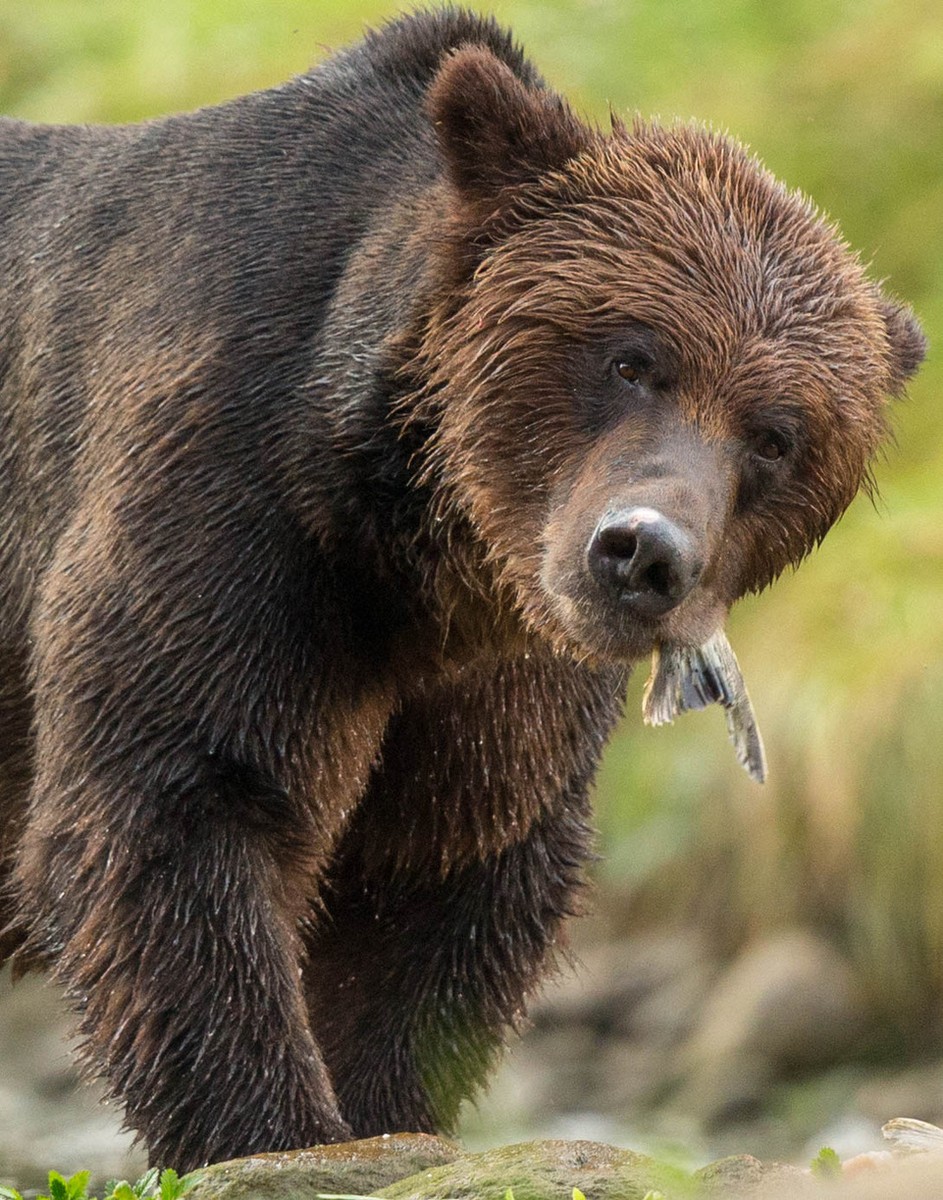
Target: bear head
[[657, 377]]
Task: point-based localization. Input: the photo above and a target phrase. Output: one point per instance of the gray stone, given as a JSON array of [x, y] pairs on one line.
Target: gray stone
[[742, 1175], [49, 1117], [918, 1178], [918, 1092], [790, 1001], [608, 981], [358, 1168]]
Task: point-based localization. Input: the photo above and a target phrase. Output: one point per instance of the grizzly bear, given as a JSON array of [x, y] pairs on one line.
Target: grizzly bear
[[358, 436]]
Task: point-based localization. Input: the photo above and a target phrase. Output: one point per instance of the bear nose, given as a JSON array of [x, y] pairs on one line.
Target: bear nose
[[644, 559]]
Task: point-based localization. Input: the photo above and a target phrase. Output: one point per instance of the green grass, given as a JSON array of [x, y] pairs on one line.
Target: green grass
[[154, 1185]]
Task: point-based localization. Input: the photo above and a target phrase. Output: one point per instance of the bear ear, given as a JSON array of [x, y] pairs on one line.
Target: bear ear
[[495, 132], [906, 342]]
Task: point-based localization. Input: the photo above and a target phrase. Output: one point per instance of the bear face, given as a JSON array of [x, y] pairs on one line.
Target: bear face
[[672, 372]]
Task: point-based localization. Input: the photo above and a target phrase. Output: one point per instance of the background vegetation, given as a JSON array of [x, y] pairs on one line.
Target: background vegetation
[[845, 659]]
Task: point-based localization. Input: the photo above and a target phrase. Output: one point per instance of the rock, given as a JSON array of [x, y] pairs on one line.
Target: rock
[[916, 1178], [917, 1091], [742, 1175], [604, 1032], [790, 998], [789, 1002], [612, 982], [358, 1168], [49, 1118], [630, 1075], [547, 1170], [919, 1178], [666, 1014]]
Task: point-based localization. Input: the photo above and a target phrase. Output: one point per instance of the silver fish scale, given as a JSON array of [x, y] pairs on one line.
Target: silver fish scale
[[686, 678]]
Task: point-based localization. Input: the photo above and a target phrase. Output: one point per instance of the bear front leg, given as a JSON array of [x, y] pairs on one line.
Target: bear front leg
[[418, 980], [183, 810], [168, 924], [448, 895]]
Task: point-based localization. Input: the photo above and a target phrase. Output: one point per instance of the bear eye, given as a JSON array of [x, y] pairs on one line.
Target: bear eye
[[770, 446], [631, 369]]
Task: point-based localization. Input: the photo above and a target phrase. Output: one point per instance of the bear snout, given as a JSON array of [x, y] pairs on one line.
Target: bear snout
[[644, 560]]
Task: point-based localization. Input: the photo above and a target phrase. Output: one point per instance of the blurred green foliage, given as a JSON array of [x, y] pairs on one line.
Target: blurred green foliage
[[844, 99]]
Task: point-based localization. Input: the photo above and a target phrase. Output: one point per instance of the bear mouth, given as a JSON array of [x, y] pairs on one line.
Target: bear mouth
[[619, 629]]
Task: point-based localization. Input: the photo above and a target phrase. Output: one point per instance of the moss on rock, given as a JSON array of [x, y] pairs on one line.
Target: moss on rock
[[546, 1170]]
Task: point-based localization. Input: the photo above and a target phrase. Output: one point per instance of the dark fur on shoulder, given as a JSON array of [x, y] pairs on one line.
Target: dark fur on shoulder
[[357, 436]]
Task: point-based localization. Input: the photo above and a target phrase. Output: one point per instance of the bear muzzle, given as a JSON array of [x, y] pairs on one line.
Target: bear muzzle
[[643, 560]]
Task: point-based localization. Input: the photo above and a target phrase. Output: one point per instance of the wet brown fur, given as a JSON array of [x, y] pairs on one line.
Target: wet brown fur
[[308, 413]]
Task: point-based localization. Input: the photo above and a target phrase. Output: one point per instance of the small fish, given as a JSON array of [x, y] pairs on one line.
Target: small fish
[[691, 677]]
